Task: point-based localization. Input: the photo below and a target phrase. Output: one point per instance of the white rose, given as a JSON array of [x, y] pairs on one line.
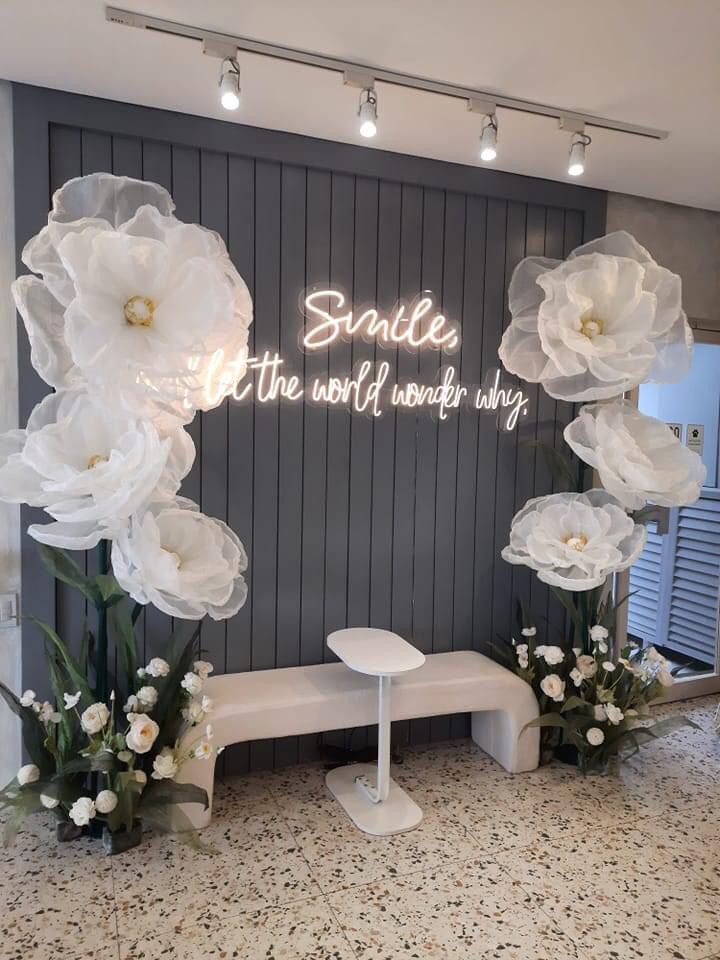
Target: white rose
[[523, 661], [652, 656], [82, 811], [597, 324], [164, 765], [185, 563], [552, 686], [28, 774], [203, 750], [148, 697], [71, 700], [48, 714], [142, 734], [600, 712], [665, 677], [132, 704], [48, 801], [595, 736], [28, 698], [94, 718], [553, 656], [529, 631], [614, 714], [608, 665], [521, 649], [574, 540], [598, 633], [157, 667], [203, 669], [587, 665], [576, 676], [192, 683], [195, 712], [207, 704], [89, 465], [638, 458], [106, 801]]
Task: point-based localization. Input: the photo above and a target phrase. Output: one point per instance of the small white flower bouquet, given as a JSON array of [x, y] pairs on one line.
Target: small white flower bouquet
[[592, 708], [108, 768]]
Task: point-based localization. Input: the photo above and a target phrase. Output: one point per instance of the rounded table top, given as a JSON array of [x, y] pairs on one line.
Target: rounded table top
[[377, 653]]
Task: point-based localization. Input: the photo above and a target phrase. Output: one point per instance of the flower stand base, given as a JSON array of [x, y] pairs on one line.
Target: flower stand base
[[567, 753], [121, 840], [66, 830]]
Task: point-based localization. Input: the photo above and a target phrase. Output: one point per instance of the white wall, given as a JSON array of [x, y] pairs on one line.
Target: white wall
[[9, 515]]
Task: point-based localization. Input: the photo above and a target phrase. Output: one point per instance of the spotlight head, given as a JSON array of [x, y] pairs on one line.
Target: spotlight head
[[230, 84], [576, 161], [488, 139], [367, 112]]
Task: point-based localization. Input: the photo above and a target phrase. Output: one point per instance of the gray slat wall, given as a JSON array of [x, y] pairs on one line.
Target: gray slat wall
[[396, 522]]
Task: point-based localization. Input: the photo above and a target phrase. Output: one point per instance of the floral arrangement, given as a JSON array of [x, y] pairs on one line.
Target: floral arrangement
[[588, 329], [137, 320]]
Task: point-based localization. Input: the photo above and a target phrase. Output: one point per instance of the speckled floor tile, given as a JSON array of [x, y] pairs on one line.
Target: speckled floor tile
[[255, 863], [466, 911], [306, 930], [340, 855]]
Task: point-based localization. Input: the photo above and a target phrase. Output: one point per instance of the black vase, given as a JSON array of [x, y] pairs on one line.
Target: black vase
[[567, 753], [121, 840]]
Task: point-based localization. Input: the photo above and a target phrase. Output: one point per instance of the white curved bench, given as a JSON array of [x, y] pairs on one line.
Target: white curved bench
[[329, 696]]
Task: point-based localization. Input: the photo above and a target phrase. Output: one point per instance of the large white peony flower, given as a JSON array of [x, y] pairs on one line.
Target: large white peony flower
[[132, 302], [89, 465], [185, 563], [638, 458], [597, 324], [574, 540]]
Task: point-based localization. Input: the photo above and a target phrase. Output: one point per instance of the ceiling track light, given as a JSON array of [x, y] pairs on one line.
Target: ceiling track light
[[578, 142], [489, 129], [230, 84], [367, 107]]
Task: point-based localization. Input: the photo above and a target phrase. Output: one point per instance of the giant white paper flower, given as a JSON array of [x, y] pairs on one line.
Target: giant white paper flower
[[99, 200], [574, 540], [89, 466], [185, 563], [133, 303], [597, 324], [638, 458]]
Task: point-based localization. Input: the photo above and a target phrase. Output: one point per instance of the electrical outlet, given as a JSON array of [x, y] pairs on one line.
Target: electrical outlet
[[8, 610]]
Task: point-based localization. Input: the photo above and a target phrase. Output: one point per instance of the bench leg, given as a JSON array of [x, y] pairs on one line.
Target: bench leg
[[498, 733], [201, 773]]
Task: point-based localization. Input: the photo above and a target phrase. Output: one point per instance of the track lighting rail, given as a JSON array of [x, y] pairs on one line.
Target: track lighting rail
[[380, 74]]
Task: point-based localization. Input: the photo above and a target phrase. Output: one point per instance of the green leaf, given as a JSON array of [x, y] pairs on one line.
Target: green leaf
[[572, 703], [71, 666], [548, 720], [33, 732], [123, 633], [166, 792], [566, 599], [100, 762], [171, 696], [172, 820], [110, 590], [64, 568]]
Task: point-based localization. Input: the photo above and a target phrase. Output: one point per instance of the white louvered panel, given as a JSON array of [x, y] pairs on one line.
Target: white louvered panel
[[645, 589], [695, 590]]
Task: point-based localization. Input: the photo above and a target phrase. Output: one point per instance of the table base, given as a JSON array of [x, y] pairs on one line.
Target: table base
[[396, 814]]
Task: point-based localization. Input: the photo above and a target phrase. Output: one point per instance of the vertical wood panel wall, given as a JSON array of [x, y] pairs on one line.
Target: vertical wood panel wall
[[395, 522]]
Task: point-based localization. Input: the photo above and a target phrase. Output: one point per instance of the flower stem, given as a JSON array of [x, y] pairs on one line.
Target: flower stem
[[101, 671]]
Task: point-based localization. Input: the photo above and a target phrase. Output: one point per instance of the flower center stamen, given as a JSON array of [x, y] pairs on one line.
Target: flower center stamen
[[139, 311], [175, 557], [591, 326], [575, 541], [95, 459]]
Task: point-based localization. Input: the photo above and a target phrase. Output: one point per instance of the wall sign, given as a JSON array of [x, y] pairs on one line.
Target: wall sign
[[371, 388]]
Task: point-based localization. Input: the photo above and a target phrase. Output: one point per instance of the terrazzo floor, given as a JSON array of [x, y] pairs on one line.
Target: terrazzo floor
[[541, 866]]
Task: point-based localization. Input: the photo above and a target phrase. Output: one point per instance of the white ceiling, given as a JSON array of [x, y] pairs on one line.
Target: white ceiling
[[651, 62]]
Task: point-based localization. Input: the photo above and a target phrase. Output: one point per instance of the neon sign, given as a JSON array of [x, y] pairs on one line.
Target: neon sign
[[369, 388]]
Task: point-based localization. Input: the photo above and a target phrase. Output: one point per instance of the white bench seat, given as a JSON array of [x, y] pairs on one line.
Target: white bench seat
[[329, 696]]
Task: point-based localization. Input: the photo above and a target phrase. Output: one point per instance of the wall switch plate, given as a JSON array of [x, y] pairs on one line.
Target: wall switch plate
[[8, 610], [695, 437]]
